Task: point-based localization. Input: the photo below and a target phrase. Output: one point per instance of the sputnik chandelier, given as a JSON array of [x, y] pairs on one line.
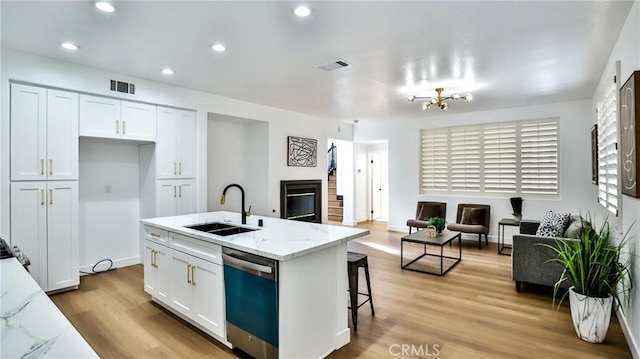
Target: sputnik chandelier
[[439, 100]]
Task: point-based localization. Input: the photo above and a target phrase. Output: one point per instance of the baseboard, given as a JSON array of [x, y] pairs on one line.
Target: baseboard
[[349, 223], [631, 341], [393, 228], [361, 219], [342, 338], [117, 263]]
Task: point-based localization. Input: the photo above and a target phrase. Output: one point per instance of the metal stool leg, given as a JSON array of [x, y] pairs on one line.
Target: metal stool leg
[[366, 273], [353, 294]]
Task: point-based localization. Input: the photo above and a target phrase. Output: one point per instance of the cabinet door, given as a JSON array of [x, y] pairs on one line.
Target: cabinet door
[[209, 296], [166, 163], [62, 135], [99, 117], [29, 226], [138, 121], [186, 203], [62, 235], [166, 196], [28, 132], [182, 288], [156, 271], [186, 144]]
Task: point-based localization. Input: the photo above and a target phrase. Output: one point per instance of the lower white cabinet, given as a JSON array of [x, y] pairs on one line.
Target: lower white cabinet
[[188, 284], [175, 197], [156, 270], [44, 224]]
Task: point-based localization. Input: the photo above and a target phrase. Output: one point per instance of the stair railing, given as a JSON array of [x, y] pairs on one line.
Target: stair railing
[[332, 159]]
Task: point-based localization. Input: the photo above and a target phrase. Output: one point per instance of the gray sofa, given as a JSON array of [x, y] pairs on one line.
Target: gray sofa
[[529, 260]]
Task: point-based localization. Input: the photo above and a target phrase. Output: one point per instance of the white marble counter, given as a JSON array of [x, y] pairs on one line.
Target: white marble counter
[[277, 239], [32, 326]]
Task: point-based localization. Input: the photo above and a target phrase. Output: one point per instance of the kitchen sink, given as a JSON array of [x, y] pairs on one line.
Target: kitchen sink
[[220, 229]]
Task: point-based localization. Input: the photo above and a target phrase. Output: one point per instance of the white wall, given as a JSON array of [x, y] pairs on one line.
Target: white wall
[[627, 51], [106, 226], [18, 66], [238, 152], [577, 194]]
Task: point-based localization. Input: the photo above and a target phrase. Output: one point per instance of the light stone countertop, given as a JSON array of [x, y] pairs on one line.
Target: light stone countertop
[[278, 239], [32, 326]]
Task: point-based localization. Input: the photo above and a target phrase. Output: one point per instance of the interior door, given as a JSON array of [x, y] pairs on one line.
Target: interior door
[[376, 189]]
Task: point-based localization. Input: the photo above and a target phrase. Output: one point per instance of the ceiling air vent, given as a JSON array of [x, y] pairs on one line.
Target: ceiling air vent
[[334, 65], [124, 87]]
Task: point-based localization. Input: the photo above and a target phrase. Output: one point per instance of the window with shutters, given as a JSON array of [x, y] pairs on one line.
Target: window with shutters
[[508, 158], [607, 151]]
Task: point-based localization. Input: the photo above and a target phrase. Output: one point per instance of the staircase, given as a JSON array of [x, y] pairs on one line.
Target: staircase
[[335, 205]]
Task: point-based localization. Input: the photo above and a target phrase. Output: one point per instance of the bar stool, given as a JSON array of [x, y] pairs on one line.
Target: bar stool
[[355, 261]]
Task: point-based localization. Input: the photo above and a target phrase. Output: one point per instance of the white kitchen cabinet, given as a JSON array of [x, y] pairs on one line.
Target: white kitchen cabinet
[[44, 224], [197, 290], [156, 270], [175, 197], [110, 118], [44, 134], [176, 144]]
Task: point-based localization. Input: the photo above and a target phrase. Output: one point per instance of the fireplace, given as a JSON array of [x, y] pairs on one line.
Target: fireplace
[[301, 200]]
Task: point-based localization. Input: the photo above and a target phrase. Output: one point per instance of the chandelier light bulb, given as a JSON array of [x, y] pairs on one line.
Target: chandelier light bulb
[[455, 96], [444, 106], [410, 98], [426, 106], [468, 97], [434, 100]]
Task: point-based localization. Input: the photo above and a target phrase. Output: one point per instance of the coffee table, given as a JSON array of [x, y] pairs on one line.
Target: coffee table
[[421, 237]]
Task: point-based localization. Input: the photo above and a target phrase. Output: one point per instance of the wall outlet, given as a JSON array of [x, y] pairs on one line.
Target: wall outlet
[[107, 188]]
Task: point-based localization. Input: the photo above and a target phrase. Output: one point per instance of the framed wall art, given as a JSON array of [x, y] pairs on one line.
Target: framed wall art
[[303, 152], [630, 135]]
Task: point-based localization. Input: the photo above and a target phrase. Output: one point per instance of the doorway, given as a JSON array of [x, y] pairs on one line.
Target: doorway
[[378, 181]]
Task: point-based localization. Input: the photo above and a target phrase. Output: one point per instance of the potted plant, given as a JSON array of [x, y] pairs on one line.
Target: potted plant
[[599, 272], [438, 222]]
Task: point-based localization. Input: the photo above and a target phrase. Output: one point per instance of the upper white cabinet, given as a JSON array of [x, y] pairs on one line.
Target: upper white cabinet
[[44, 134], [176, 144], [110, 118], [44, 224]]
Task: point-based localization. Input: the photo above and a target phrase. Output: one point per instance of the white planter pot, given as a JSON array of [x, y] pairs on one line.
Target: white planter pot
[[590, 316]]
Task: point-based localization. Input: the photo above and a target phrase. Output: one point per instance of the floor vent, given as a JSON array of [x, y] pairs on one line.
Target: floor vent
[[124, 87], [334, 65]]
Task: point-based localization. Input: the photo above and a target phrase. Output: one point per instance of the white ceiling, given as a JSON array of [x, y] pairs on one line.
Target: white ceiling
[[506, 53]]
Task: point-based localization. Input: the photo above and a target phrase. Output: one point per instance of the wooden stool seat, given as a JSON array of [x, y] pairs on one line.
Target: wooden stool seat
[[354, 262]]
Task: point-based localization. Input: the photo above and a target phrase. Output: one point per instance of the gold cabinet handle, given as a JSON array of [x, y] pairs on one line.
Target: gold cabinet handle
[[180, 191], [156, 235], [51, 166], [180, 167], [42, 197], [117, 126], [193, 275], [152, 253], [51, 197], [188, 273], [174, 169], [155, 258], [42, 166], [124, 127], [174, 191]]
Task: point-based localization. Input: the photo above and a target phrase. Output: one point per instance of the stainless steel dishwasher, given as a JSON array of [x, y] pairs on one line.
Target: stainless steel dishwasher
[[251, 290]]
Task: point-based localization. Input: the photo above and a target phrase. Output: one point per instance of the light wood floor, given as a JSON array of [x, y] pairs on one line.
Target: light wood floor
[[471, 312]]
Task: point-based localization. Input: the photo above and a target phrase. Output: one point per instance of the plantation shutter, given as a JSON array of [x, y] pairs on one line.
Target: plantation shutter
[[500, 158], [465, 158], [607, 151], [539, 157], [434, 171]]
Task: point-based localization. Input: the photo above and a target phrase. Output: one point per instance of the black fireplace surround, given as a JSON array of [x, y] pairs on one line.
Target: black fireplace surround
[[301, 200]]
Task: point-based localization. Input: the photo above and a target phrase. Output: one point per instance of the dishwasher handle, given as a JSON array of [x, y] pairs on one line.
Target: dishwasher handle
[[245, 265]]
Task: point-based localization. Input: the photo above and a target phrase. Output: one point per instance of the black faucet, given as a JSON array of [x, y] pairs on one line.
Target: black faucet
[[245, 214]]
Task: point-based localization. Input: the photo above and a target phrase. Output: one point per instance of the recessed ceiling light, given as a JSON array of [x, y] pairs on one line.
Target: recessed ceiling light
[[168, 71], [69, 46], [302, 11], [105, 6], [218, 48]]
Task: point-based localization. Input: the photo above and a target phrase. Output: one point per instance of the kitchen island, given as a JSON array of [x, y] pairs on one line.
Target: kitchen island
[[184, 273]]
